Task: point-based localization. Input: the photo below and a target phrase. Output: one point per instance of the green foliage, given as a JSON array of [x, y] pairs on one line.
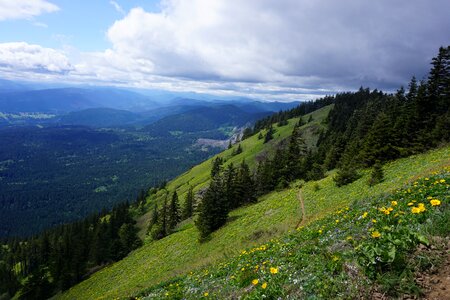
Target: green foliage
[[173, 213], [345, 175], [269, 134], [377, 175]]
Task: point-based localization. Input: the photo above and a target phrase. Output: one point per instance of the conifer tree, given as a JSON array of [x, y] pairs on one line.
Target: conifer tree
[[154, 220], [217, 166], [213, 209], [245, 186], [269, 134], [174, 212]]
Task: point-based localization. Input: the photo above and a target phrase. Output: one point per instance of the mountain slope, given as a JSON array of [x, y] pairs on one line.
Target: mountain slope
[[272, 216], [64, 100]]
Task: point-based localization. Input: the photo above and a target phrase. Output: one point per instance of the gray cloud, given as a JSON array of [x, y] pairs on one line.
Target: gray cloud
[[282, 49]]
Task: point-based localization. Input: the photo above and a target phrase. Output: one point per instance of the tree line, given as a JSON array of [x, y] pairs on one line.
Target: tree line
[[40, 266]]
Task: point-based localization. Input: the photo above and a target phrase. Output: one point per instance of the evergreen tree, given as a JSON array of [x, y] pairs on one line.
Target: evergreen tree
[[245, 186], [238, 150], [269, 134], [154, 220], [217, 166], [174, 212], [229, 178], [260, 136], [377, 174], [213, 209], [188, 208]]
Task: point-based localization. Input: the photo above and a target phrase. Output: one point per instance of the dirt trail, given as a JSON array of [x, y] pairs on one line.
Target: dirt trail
[[302, 206]]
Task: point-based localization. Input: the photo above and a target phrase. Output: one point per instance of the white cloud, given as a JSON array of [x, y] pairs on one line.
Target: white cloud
[[285, 49], [24, 9], [23, 57], [340, 43], [117, 7]]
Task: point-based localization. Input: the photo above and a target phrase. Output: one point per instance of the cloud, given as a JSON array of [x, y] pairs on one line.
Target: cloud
[[24, 9], [322, 43], [285, 49], [23, 57], [117, 7]]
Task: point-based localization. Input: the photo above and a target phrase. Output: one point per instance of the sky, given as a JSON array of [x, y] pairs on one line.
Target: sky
[[266, 49]]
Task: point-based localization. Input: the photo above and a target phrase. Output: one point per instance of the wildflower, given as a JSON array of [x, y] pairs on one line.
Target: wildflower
[[264, 285], [376, 234], [442, 181], [335, 258], [415, 210], [435, 202], [374, 221], [429, 197], [426, 178], [421, 207], [394, 203], [390, 209], [255, 281], [364, 214], [337, 221], [206, 294], [410, 204], [273, 270], [243, 269]]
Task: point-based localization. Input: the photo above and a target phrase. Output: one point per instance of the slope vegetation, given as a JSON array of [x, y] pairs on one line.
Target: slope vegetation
[[273, 216]]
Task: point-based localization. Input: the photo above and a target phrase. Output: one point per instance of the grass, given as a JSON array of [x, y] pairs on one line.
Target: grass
[[273, 216], [198, 176], [353, 252]]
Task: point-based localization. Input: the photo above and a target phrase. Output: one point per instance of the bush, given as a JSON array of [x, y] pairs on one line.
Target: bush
[[377, 174], [345, 176]]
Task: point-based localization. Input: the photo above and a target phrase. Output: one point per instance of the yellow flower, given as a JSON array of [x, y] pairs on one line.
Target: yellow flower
[[243, 269], [442, 181], [435, 202], [320, 231], [410, 204], [374, 221], [376, 234], [273, 270], [394, 203], [255, 281], [364, 214], [390, 209], [206, 294], [415, 210], [264, 285], [387, 211], [337, 221], [429, 197], [421, 207]]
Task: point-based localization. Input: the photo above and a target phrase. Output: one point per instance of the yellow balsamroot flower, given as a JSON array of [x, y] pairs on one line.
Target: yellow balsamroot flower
[[273, 270], [364, 215], [374, 221], [255, 281], [429, 197], [435, 202], [421, 207], [415, 210], [394, 203], [442, 181], [206, 294], [320, 231], [410, 204], [264, 285], [376, 234]]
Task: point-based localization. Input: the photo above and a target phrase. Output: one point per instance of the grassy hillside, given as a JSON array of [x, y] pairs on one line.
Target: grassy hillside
[[375, 248], [199, 175], [272, 216]]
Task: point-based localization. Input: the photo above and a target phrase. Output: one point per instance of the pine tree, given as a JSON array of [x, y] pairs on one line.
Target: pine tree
[[245, 186], [217, 166], [377, 174], [238, 150], [188, 208], [174, 213], [213, 209], [269, 134], [229, 178], [260, 136], [154, 220]]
